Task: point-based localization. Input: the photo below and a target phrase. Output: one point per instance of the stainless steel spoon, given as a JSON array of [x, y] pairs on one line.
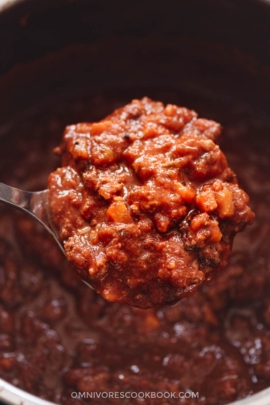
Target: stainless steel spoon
[[33, 203]]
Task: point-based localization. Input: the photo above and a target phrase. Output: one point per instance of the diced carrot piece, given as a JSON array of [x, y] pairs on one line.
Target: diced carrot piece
[[187, 192], [206, 201], [118, 212], [216, 234], [225, 203], [99, 127]]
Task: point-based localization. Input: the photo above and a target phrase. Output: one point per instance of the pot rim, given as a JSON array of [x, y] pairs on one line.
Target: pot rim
[[5, 4], [16, 396]]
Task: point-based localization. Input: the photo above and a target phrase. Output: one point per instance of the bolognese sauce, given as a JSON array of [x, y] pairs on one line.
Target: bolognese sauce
[[145, 203]]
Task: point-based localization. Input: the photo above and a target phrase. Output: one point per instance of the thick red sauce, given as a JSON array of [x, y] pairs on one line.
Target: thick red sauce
[[58, 337], [145, 203]]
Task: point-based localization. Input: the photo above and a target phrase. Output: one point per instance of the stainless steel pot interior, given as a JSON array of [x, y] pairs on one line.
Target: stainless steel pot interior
[[30, 29]]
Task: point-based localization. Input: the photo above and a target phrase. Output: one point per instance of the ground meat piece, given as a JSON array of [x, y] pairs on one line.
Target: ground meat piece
[[145, 203]]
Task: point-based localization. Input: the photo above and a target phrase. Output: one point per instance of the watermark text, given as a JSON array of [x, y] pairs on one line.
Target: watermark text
[[134, 395]]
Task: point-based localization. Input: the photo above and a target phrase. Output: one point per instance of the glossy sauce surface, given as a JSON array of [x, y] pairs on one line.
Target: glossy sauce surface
[[145, 203], [57, 336]]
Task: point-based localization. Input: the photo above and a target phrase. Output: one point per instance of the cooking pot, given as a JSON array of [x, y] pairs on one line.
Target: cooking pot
[[51, 48]]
